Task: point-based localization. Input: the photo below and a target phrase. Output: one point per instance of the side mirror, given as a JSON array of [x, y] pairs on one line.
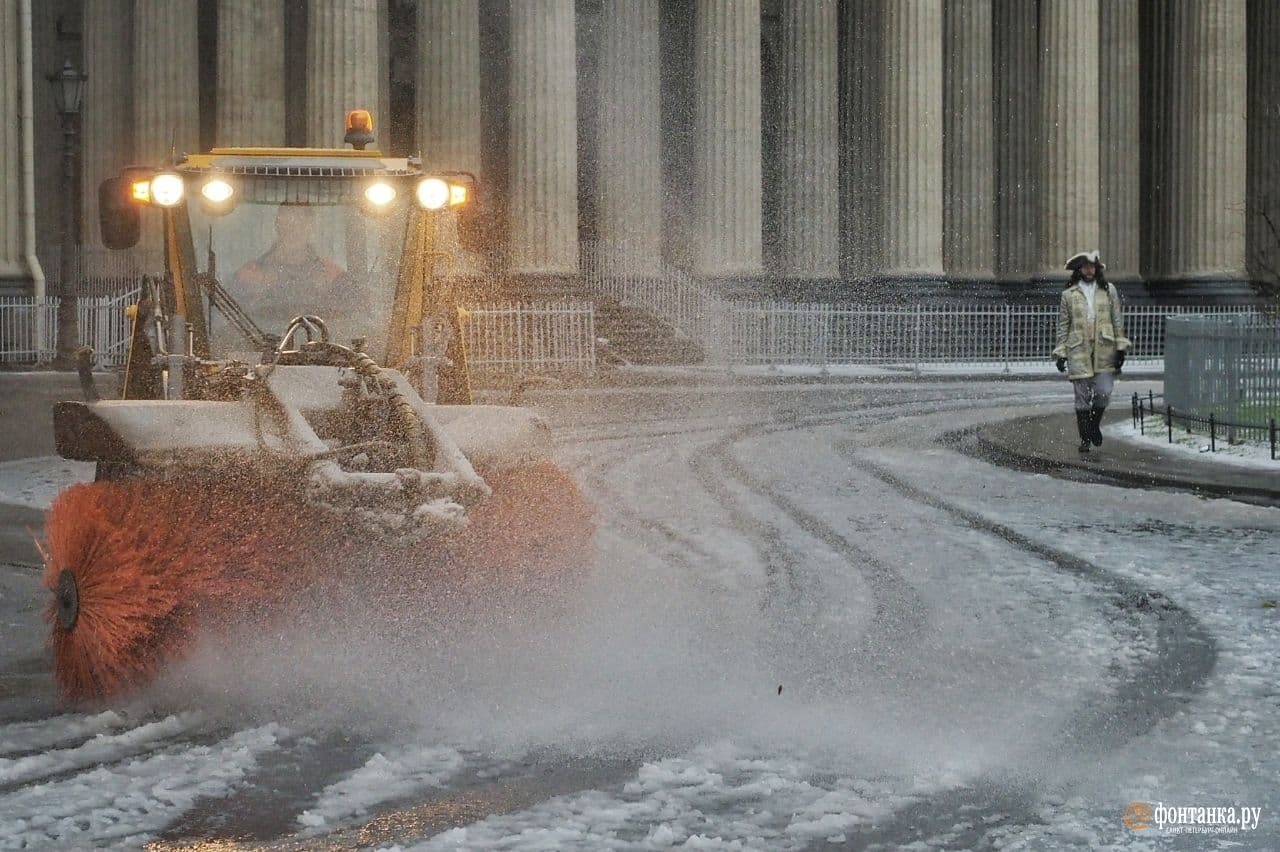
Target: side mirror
[[118, 217]]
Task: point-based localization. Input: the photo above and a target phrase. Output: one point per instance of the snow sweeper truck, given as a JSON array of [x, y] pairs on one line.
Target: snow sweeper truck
[[295, 403]]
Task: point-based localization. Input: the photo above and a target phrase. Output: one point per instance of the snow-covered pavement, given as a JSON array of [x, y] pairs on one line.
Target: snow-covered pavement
[[811, 625]]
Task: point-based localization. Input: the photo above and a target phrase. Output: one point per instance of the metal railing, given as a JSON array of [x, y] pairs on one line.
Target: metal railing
[[530, 337], [518, 337], [99, 271], [1224, 365], [26, 329], [29, 328], [737, 331], [1213, 424]]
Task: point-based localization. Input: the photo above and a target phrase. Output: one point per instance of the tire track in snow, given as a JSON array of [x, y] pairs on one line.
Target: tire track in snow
[[1183, 656], [102, 748]]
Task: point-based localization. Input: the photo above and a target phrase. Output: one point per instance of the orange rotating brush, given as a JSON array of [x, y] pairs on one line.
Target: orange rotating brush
[[537, 523], [136, 569]]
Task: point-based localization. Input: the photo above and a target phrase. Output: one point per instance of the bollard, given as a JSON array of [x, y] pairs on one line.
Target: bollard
[[1273, 439], [1213, 434], [1168, 420]]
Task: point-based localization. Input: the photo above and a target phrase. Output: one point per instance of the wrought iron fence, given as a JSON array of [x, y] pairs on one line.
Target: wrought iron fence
[[99, 272], [529, 337], [29, 328], [26, 329], [739, 331], [1213, 425], [1224, 366], [519, 337]]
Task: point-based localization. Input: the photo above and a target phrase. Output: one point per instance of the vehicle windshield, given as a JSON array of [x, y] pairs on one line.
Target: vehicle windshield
[[279, 261]]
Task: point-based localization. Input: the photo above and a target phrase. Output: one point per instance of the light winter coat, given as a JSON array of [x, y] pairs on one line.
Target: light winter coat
[[1090, 347]]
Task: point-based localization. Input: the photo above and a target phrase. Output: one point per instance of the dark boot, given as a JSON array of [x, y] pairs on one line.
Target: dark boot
[[1083, 419], [1095, 426]]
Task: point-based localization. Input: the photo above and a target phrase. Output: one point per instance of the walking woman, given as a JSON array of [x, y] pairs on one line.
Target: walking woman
[[1091, 344]]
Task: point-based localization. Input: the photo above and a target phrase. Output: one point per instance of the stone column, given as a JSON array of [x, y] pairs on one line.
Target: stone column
[[861, 137], [1208, 113], [913, 139], [1121, 149], [1069, 125], [1263, 249], [382, 109], [1017, 114], [107, 136], [342, 67], [544, 137], [629, 180], [251, 95], [449, 84], [969, 165], [166, 94], [166, 79], [726, 157], [449, 107], [1156, 135], [809, 208], [19, 272]]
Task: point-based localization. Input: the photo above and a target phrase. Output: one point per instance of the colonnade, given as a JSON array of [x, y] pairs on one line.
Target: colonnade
[[934, 140]]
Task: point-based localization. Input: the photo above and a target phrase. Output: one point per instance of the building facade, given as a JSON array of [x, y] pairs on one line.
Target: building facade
[[813, 148]]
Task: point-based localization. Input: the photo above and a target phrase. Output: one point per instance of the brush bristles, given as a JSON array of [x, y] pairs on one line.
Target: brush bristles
[[152, 561], [157, 561], [536, 524]]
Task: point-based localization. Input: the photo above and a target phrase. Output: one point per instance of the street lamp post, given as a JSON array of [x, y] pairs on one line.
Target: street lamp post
[[68, 89]]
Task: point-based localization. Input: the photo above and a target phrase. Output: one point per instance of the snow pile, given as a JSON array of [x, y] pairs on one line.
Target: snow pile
[[720, 796], [30, 737], [102, 747], [123, 803], [1249, 455], [382, 779]]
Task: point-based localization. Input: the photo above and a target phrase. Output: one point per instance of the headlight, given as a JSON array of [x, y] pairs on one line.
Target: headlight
[[217, 190], [433, 193], [457, 194], [166, 189], [380, 194]]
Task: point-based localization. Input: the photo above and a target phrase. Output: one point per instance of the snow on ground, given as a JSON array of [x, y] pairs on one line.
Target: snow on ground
[[793, 651], [720, 796], [34, 482], [1250, 454], [123, 802], [102, 747], [1217, 559], [29, 737], [382, 779]]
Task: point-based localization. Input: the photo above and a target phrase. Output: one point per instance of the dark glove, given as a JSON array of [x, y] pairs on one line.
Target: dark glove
[[1061, 364], [1119, 359]]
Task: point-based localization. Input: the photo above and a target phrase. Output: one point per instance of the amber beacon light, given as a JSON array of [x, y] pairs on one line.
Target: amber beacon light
[[359, 129]]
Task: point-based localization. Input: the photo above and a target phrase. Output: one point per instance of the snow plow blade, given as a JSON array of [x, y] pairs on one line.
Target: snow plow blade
[[208, 514]]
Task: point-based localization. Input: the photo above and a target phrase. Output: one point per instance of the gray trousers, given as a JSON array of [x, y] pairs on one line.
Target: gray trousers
[[1093, 392]]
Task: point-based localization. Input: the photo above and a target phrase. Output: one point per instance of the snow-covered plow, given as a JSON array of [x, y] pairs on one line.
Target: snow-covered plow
[[231, 481]]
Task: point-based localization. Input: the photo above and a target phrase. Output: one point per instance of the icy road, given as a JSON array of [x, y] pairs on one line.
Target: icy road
[[814, 624]]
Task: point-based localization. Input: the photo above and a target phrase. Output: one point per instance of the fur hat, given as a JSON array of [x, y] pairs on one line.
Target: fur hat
[[1077, 260]]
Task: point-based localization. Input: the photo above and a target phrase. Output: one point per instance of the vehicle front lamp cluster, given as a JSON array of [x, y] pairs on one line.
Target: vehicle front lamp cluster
[[167, 189], [435, 193], [164, 190], [380, 194]]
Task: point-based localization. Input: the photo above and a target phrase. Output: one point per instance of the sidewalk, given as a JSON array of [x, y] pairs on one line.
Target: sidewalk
[[1047, 443]]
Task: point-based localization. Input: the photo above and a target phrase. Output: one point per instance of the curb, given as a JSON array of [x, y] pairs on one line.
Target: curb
[[1003, 452]]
